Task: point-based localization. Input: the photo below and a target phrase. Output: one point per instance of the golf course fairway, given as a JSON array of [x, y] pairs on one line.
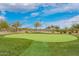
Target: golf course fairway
[[45, 37]]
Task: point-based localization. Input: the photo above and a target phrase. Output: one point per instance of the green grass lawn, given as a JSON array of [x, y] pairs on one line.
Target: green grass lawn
[[45, 37], [10, 46], [23, 45]]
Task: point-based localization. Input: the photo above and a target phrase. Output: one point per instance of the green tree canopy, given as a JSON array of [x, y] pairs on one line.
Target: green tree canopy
[[37, 24], [4, 24], [16, 24]]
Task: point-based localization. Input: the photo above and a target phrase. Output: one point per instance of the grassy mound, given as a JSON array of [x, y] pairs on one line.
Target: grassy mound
[[45, 37]]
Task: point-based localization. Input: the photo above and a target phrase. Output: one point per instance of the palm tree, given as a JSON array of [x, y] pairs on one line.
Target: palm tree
[[37, 24], [15, 25]]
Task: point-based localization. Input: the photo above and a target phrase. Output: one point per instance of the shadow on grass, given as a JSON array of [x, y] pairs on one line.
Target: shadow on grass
[[13, 46]]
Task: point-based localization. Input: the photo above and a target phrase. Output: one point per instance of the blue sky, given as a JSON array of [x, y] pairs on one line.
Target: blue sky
[[60, 14]]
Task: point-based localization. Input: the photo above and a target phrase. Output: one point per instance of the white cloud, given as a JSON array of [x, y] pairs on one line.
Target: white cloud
[[13, 4], [2, 18], [62, 8], [66, 23], [34, 14], [17, 7], [27, 26], [3, 12], [25, 7]]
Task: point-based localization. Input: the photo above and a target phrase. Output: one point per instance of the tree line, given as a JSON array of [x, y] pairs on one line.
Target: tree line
[[5, 26], [15, 26]]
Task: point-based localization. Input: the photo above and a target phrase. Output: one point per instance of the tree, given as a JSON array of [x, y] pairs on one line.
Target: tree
[[16, 24], [4, 25], [53, 28], [75, 27], [57, 28], [37, 24]]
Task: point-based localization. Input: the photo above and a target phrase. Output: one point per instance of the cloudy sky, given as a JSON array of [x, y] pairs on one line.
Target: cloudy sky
[[61, 14]]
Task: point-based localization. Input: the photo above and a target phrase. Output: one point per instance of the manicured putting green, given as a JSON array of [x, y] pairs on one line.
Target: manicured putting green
[[45, 37]]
